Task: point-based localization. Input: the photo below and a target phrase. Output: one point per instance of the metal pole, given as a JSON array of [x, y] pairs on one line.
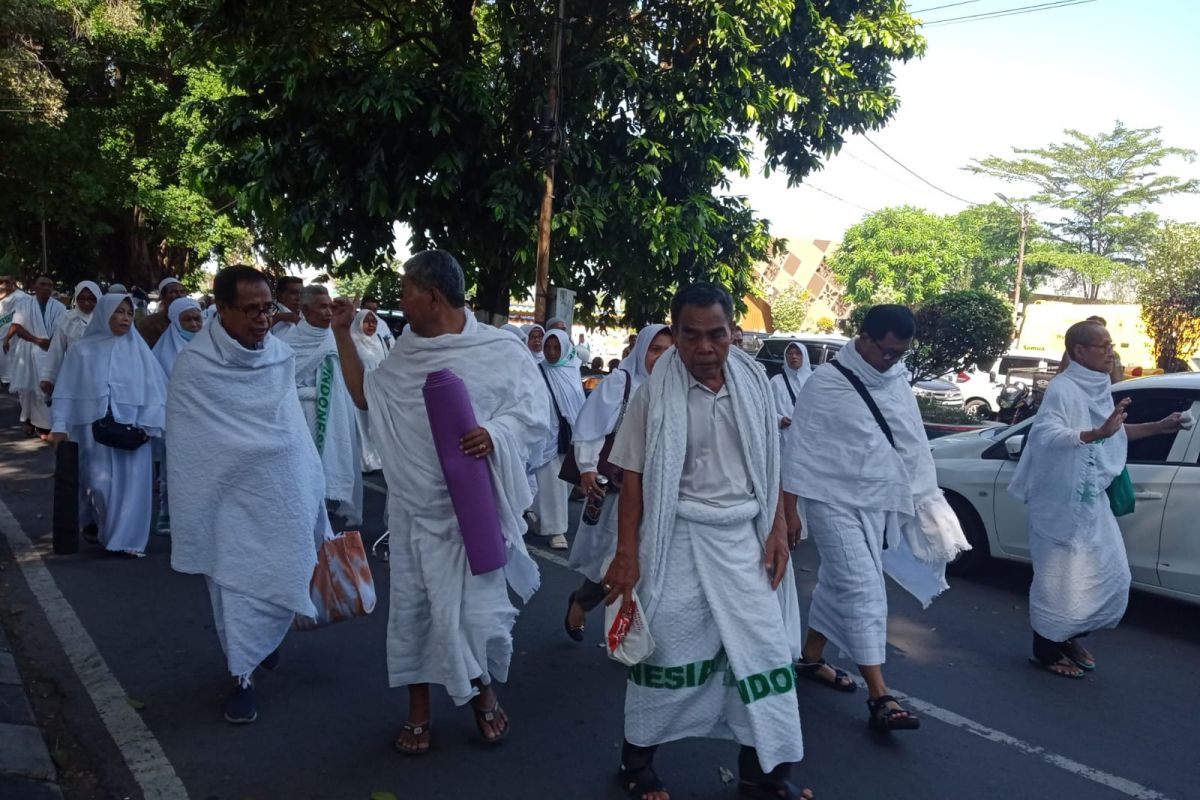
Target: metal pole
[[45, 261], [547, 211], [1020, 273]]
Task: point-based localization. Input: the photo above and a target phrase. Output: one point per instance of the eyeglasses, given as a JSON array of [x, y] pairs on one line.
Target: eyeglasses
[[891, 354], [1108, 348], [255, 310]]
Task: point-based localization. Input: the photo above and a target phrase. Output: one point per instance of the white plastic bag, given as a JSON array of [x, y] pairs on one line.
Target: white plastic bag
[[627, 639]]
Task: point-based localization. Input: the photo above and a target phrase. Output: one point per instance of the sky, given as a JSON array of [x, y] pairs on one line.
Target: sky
[[986, 86]]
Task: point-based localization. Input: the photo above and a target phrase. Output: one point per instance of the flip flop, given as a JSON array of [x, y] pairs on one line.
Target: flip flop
[[1043, 665], [418, 731], [1079, 655], [490, 715]]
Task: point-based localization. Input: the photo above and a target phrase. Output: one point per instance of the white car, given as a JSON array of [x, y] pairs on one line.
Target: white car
[[982, 385], [975, 468]]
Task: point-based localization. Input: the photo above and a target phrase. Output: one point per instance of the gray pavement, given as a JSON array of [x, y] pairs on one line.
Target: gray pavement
[[993, 727]]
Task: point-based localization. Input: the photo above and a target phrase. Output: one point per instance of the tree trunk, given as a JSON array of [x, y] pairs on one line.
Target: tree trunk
[[493, 289]]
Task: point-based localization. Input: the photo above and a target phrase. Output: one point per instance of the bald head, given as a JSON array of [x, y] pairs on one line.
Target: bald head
[[1085, 333]]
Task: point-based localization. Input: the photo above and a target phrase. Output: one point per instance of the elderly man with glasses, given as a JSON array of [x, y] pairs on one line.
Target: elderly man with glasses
[[1074, 455], [858, 474], [246, 481]]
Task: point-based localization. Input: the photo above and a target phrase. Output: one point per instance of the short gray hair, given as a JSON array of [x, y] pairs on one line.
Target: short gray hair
[[437, 269], [310, 293]]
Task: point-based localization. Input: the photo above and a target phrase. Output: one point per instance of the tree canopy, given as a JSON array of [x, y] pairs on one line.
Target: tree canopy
[[956, 330], [1169, 290], [101, 142], [347, 117], [1100, 186]]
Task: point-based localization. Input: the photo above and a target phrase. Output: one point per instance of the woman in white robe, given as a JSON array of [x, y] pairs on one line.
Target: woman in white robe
[[786, 386], [185, 320], [110, 370], [560, 370], [535, 337], [69, 331], [602, 413], [371, 351]]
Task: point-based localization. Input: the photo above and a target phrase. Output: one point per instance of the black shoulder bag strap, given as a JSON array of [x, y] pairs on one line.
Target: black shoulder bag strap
[[875, 412], [870, 401], [788, 384], [549, 388]]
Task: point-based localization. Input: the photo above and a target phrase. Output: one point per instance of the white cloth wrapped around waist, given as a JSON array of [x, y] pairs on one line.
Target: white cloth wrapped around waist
[[934, 534], [716, 515]]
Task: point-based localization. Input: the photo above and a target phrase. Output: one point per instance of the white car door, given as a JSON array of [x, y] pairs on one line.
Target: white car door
[[1179, 549]]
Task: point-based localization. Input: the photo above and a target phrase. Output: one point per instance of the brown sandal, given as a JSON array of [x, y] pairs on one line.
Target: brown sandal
[[422, 733], [489, 716]]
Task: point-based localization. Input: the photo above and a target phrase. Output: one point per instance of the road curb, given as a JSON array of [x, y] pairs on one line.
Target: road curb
[[26, 769]]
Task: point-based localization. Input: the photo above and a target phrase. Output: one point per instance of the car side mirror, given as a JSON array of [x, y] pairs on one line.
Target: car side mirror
[[1013, 445]]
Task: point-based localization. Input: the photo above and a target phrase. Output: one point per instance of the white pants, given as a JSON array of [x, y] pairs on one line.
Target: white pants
[[553, 494]]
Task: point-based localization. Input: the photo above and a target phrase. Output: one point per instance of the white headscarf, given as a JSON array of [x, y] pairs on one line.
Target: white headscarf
[[514, 330], [603, 407], [565, 380], [165, 282], [550, 323], [370, 348], [799, 376], [541, 355], [167, 348], [117, 288], [103, 371]]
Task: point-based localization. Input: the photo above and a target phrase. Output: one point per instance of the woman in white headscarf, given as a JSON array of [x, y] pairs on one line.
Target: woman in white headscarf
[[787, 384], [560, 370], [371, 352], [535, 337], [110, 371], [69, 331], [595, 543], [184, 320]]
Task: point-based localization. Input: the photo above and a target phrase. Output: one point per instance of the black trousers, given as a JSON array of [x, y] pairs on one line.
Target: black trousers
[[589, 595], [1048, 651]]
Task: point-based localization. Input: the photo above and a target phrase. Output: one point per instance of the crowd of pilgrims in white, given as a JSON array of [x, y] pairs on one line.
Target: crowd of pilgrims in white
[[724, 472]]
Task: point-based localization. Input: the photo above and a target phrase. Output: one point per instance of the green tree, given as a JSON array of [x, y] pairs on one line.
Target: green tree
[[352, 116], [1100, 187], [104, 148], [902, 255], [789, 308], [1169, 291], [958, 329], [992, 232]]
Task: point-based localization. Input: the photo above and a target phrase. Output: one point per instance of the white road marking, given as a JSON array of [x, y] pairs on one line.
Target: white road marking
[[142, 752], [1106, 779]]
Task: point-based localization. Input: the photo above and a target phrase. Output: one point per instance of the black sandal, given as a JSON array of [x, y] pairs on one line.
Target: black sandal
[[886, 719], [773, 785], [489, 716], [842, 682], [775, 790], [576, 634], [425, 729]]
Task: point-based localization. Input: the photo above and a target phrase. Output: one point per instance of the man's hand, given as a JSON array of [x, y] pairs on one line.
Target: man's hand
[[785, 422], [343, 315], [55, 438], [775, 557], [620, 579], [477, 443], [587, 482], [1172, 423], [1115, 420], [792, 517]]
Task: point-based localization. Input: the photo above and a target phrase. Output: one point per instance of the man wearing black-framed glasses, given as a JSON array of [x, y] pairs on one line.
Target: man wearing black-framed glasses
[[857, 470]]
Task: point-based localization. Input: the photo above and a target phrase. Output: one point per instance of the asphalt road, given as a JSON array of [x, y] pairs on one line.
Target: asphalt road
[[994, 727]]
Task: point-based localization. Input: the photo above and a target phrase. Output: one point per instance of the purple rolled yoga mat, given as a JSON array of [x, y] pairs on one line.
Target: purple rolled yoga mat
[[468, 478]]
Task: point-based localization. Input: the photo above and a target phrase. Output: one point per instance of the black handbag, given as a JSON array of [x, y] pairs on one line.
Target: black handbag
[[570, 468], [564, 427], [110, 433]]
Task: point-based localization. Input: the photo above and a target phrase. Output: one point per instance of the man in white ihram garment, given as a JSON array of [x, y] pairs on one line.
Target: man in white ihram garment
[[447, 626], [703, 539], [326, 403], [868, 497], [246, 482], [1076, 448], [26, 342]]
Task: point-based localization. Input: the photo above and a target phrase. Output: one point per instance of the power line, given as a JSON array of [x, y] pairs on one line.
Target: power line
[[1006, 12], [835, 197], [915, 175], [948, 5]]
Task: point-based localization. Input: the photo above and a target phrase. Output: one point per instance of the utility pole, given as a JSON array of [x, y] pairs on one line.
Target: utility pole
[[45, 260], [550, 128], [1020, 263]]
